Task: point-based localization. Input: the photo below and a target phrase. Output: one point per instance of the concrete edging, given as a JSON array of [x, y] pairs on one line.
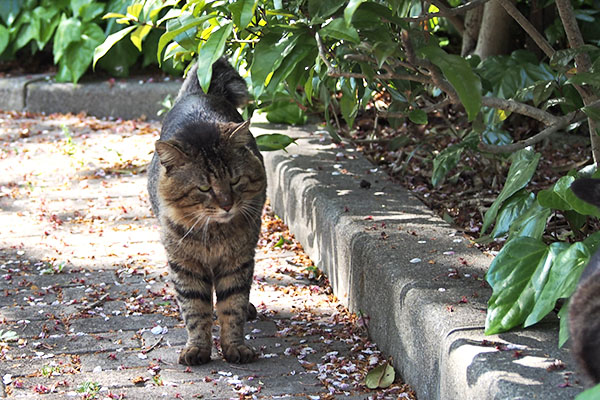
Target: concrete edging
[[427, 315], [427, 319]]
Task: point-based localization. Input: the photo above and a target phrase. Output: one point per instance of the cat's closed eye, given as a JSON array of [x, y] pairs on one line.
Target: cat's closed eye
[[204, 188], [234, 181]]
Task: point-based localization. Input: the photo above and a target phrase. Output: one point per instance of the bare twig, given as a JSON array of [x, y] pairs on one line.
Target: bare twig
[[527, 26], [95, 303], [428, 109], [149, 349]]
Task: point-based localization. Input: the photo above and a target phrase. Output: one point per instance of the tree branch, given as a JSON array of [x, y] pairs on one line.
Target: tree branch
[[520, 108], [448, 12], [528, 27], [562, 122]]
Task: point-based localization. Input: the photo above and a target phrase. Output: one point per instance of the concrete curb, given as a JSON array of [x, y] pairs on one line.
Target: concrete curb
[[428, 315], [418, 281], [126, 99]]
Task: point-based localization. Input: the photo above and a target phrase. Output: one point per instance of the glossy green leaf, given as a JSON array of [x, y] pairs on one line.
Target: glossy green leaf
[[522, 168], [30, 26], [531, 223], [78, 56], [418, 116], [323, 9], [4, 36], [562, 58], [563, 189], [290, 62], [110, 42], [563, 333], [274, 141], [592, 112], [242, 12], [460, 75], [69, 30], [211, 51], [178, 26], [351, 9], [444, 162], [516, 275], [338, 29], [90, 10], [268, 55], [513, 208], [51, 18], [138, 35], [590, 394], [286, 112], [585, 78], [562, 280], [548, 198], [9, 10]]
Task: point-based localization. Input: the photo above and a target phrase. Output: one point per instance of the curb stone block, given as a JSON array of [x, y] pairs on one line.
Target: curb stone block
[[13, 91], [417, 281]]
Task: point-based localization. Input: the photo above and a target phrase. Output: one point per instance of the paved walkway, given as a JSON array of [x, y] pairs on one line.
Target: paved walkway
[[86, 308]]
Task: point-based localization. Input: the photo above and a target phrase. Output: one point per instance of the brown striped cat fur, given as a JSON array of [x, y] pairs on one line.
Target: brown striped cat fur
[[584, 311], [207, 188]]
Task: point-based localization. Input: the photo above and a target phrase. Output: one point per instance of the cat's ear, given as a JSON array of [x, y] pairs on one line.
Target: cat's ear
[[236, 134], [169, 154]]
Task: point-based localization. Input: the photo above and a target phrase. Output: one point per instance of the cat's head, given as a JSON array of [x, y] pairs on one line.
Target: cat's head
[[210, 176]]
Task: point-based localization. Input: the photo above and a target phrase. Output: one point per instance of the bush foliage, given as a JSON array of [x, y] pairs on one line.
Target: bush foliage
[[335, 56]]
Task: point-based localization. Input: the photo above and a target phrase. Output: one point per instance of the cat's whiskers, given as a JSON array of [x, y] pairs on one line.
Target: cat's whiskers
[[199, 216]]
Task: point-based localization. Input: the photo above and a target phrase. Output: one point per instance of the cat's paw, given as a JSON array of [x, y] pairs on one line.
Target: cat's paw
[[194, 355], [239, 353]]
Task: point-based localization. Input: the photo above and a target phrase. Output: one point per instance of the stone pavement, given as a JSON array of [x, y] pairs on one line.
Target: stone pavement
[[86, 308]]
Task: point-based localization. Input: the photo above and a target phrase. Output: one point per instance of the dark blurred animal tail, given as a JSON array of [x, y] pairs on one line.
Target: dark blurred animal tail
[[225, 83], [584, 312]]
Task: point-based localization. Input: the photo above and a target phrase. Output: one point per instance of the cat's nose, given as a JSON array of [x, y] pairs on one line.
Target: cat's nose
[[226, 207]]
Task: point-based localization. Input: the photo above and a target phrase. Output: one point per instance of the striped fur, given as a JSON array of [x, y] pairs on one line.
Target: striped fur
[[584, 310], [207, 188]]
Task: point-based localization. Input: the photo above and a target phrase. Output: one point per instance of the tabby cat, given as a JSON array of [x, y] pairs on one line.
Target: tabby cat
[[207, 188], [584, 312]]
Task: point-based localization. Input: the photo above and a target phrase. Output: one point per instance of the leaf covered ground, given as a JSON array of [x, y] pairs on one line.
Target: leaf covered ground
[[86, 307]]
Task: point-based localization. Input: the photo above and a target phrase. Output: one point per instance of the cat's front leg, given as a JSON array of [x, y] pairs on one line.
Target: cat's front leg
[[232, 286], [194, 295]]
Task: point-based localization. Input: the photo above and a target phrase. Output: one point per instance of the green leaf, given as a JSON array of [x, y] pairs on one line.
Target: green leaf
[[268, 55], [139, 34], [211, 51], [289, 63], [418, 116], [532, 223], [242, 12], [563, 189], [110, 42], [338, 29], [590, 394], [274, 141], [29, 29], [563, 333], [592, 112], [522, 168], [79, 55], [459, 73], [516, 276], [51, 19], [585, 78], [323, 9], [380, 377], [562, 58], [69, 30], [177, 26], [9, 10], [444, 162], [351, 9], [548, 198], [512, 209], [4, 36], [562, 280], [285, 112]]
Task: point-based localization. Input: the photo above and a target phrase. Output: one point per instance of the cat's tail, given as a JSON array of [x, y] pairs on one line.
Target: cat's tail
[[225, 83]]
